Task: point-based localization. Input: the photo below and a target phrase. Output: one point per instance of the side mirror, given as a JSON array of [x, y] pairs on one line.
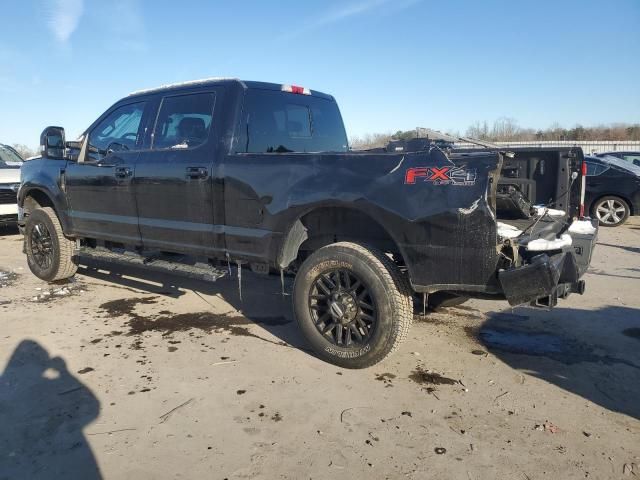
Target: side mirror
[[52, 143]]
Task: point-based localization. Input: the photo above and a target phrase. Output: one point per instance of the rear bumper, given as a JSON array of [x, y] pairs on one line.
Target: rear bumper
[[550, 275]]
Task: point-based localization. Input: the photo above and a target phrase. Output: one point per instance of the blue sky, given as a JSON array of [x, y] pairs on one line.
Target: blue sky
[[391, 64]]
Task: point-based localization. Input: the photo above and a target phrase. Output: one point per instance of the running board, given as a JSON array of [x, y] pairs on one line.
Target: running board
[[181, 265]]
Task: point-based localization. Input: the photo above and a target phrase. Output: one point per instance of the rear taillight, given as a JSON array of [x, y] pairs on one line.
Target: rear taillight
[[583, 187], [296, 89]]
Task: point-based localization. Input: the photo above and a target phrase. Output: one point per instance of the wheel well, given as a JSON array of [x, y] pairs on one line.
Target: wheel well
[[36, 199], [328, 225], [621, 197]]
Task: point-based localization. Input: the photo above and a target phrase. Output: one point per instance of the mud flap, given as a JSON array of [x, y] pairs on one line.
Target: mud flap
[[296, 237], [535, 280]]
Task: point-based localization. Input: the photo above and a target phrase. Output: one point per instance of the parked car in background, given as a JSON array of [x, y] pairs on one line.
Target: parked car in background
[[10, 162], [633, 157], [613, 189]]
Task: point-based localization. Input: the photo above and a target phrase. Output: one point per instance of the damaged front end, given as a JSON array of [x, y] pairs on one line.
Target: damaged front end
[[539, 269]]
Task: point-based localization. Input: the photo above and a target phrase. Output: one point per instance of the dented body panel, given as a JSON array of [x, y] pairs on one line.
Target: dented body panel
[[441, 229]]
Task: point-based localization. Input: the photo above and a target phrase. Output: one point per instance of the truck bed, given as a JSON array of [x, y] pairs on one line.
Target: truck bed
[[524, 223]]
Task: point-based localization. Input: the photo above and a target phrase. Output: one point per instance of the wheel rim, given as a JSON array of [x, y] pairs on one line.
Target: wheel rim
[[610, 211], [41, 246], [342, 308]]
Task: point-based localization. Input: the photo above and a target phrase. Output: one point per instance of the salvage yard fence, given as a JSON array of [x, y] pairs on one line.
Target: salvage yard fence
[[588, 147]]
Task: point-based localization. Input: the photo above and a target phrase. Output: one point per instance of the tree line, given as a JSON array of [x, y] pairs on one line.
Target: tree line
[[24, 151], [507, 130], [504, 129]]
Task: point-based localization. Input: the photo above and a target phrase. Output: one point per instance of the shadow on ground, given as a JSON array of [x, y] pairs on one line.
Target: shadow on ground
[[43, 410], [591, 353], [259, 302], [622, 247]]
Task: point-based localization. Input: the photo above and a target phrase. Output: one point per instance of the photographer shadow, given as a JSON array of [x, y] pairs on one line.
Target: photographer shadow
[[43, 411]]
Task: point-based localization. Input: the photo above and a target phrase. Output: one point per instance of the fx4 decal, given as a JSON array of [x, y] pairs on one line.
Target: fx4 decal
[[440, 175]]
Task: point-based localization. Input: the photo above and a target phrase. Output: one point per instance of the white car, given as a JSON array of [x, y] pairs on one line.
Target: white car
[[10, 163]]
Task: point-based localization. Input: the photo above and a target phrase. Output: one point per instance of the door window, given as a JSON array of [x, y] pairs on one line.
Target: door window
[[184, 121], [120, 130]]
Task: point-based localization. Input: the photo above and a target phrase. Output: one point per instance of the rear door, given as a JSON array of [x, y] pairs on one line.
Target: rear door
[[173, 181], [99, 188]]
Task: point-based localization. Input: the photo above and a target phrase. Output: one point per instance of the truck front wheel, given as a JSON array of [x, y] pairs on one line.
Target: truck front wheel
[[353, 304], [49, 252]]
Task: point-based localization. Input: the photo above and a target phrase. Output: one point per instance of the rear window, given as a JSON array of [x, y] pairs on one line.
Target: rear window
[[594, 169], [276, 122]]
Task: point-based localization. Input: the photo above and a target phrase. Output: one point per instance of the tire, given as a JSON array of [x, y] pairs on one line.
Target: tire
[[49, 252], [611, 211], [363, 294]]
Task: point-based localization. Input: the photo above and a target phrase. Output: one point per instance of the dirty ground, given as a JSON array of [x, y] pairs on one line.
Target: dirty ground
[[128, 374]]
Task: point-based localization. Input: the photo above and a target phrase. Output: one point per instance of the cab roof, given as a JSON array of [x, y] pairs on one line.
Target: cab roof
[[213, 81]]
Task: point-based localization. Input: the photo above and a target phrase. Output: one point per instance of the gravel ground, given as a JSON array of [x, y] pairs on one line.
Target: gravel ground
[[125, 374]]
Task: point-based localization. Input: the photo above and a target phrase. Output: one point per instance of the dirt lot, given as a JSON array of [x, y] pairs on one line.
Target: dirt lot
[[126, 374]]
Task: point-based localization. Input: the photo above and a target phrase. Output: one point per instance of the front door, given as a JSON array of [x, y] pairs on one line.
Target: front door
[[173, 179], [99, 186]]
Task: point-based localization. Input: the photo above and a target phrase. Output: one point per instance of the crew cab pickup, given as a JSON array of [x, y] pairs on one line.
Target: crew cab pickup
[[262, 175]]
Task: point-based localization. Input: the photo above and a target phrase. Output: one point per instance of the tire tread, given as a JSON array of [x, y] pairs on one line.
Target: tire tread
[[399, 292], [67, 268]]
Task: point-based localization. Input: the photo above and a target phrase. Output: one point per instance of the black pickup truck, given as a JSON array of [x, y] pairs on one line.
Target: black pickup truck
[[262, 175]]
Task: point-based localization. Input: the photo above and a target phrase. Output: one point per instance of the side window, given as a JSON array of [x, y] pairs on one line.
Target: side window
[[118, 131], [594, 169], [276, 122], [635, 159], [183, 121]]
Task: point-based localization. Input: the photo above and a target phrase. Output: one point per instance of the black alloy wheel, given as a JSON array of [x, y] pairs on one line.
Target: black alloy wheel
[[342, 308], [41, 245]]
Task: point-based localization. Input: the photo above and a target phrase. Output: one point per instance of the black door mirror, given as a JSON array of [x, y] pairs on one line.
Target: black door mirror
[[52, 143]]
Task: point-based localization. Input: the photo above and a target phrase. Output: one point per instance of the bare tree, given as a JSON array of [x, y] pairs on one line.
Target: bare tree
[[24, 151], [370, 140], [479, 131]]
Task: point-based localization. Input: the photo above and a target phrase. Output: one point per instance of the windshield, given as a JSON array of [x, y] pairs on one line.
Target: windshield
[[9, 158], [625, 165]]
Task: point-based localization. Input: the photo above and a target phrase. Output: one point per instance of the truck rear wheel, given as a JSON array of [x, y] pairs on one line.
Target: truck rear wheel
[[353, 304], [49, 252]]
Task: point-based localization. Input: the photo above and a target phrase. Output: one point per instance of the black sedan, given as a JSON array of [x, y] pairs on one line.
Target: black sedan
[[613, 189], [633, 157]]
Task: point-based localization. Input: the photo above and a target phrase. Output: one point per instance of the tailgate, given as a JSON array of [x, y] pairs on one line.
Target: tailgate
[[548, 177]]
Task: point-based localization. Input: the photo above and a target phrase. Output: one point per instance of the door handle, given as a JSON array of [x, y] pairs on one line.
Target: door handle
[[197, 173], [123, 172]]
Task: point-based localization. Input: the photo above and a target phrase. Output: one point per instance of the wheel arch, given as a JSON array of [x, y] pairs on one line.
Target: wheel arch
[[326, 224], [34, 197]]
